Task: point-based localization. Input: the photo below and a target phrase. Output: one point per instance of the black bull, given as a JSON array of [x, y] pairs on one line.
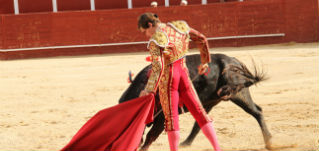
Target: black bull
[[227, 79]]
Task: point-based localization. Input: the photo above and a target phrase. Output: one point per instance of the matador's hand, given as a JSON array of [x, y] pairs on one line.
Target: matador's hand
[[202, 68]]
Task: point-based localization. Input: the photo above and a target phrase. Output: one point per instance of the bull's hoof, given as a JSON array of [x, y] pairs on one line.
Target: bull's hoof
[[269, 145], [185, 144], [276, 147], [143, 149]]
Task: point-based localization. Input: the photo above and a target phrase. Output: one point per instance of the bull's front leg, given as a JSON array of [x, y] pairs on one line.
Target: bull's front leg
[[189, 140], [154, 132]]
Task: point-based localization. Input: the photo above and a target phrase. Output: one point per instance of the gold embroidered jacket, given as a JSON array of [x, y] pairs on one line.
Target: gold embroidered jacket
[[169, 43]]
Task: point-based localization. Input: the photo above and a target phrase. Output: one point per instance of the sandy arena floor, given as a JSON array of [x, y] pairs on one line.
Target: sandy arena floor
[[45, 101]]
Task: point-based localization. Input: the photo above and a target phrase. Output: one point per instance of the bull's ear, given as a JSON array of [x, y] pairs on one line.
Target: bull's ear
[[130, 77]]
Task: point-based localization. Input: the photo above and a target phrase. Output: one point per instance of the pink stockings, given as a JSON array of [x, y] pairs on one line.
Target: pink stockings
[[207, 129], [210, 133], [173, 139]]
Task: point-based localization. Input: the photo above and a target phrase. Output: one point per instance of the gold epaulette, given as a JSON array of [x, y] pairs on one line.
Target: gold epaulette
[[180, 25], [160, 39]]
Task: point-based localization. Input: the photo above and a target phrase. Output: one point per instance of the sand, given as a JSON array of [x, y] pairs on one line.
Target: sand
[[45, 101]]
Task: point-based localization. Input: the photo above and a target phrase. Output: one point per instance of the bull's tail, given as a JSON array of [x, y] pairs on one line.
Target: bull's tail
[[257, 76], [238, 76]]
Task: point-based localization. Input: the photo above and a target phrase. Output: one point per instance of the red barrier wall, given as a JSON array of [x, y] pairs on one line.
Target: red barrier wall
[[301, 20], [103, 4], [27, 6], [298, 19], [73, 5], [1, 35], [6, 7], [31, 6]]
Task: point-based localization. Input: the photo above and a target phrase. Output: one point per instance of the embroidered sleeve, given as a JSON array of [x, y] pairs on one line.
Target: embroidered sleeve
[[202, 45], [157, 67]]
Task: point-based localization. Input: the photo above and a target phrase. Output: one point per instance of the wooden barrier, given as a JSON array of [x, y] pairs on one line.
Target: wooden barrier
[[68, 33], [31, 6]]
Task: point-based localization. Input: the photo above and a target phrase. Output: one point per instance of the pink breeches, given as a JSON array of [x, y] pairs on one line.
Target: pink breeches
[[176, 88]]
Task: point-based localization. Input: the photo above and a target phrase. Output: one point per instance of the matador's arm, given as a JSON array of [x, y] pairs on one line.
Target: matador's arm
[[202, 45]]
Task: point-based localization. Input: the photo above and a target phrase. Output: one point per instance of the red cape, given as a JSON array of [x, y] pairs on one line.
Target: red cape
[[118, 128]]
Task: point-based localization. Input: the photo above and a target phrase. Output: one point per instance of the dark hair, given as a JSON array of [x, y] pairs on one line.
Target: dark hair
[[146, 18]]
